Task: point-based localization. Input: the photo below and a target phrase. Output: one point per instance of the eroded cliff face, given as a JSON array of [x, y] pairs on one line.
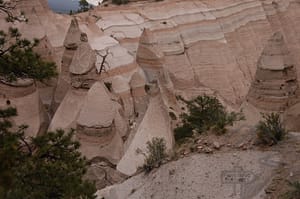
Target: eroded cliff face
[[121, 67], [275, 86]]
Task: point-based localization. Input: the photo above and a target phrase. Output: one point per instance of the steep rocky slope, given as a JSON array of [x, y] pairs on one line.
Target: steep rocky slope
[[121, 68]]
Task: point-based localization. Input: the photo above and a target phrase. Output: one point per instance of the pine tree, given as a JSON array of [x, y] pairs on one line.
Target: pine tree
[[18, 60], [44, 167]]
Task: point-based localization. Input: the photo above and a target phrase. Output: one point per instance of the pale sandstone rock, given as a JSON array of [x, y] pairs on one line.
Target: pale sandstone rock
[[68, 110], [291, 118], [100, 126], [157, 115], [189, 177], [137, 85], [83, 60], [275, 86], [101, 43], [103, 173], [98, 109], [73, 36], [137, 80], [148, 53], [235, 25], [117, 56], [30, 111], [121, 86], [110, 147]]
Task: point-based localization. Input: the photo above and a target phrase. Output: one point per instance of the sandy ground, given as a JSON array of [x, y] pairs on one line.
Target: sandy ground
[[211, 176], [202, 176]]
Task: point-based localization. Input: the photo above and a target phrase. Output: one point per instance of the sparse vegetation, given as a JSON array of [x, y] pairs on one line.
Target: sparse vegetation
[[182, 132], [18, 60], [293, 192], [270, 130], [205, 113], [172, 115], [46, 166], [83, 6], [155, 154], [119, 2]]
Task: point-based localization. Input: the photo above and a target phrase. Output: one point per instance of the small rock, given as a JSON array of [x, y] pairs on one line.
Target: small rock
[[208, 150], [241, 145], [216, 145]]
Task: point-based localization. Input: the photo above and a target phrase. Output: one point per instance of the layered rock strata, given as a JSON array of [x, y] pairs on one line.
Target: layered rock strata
[[24, 96], [189, 47], [275, 86]]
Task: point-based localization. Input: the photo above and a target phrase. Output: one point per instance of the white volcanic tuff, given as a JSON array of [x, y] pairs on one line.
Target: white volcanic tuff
[[103, 42], [275, 87], [119, 19], [117, 56], [157, 115], [149, 55], [42, 22], [83, 59], [199, 175], [57, 32], [184, 24], [98, 110], [73, 34], [67, 112], [158, 12], [123, 25], [182, 13], [30, 112], [182, 77], [120, 84], [171, 43], [138, 79]]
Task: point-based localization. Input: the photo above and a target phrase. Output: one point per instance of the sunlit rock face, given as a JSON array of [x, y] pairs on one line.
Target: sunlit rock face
[[99, 125], [275, 86], [157, 115], [97, 120]]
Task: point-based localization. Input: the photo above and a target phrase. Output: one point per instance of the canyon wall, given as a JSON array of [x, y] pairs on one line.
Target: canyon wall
[[121, 68]]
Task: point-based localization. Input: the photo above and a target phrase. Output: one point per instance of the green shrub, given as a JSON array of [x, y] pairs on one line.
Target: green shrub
[[270, 130], [19, 60], [119, 2], [83, 6], [207, 113], [172, 115], [155, 155], [294, 192], [183, 132]]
